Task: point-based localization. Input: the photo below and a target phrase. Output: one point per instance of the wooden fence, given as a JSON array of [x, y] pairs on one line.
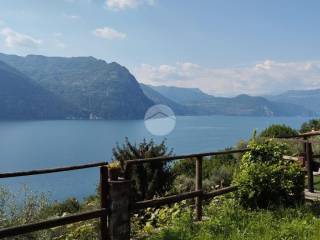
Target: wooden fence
[[116, 206]]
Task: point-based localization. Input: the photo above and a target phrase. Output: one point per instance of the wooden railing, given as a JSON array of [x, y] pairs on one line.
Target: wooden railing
[[107, 204], [104, 212], [198, 194], [101, 213], [74, 218]]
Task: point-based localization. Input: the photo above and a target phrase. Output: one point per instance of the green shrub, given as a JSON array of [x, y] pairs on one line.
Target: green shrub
[[88, 230], [24, 208], [311, 125], [278, 131], [182, 183], [282, 131], [187, 166], [155, 218], [149, 179], [29, 207], [265, 179], [216, 171], [71, 205]]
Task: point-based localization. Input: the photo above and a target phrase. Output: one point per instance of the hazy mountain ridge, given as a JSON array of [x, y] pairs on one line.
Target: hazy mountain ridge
[[242, 105], [158, 98], [83, 87], [307, 98], [182, 95], [105, 90]]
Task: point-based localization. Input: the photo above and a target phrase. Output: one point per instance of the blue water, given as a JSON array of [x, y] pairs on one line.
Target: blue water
[[27, 145]]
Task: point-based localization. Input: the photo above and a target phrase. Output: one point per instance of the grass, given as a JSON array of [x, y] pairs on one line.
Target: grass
[[228, 221], [316, 180]]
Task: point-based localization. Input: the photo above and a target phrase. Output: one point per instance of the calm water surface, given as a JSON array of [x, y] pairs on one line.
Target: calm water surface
[[42, 144]]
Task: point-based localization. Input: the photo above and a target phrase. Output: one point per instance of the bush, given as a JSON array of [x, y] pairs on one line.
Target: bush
[[278, 131], [71, 205], [23, 208], [282, 131], [149, 179], [265, 179], [157, 218], [216, 171], [312, 125], [29, 207]]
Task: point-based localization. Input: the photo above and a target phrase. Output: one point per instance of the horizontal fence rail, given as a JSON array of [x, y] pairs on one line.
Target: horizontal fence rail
[[165, 200], [154, 203], [305, 135], [51, 223], [52, 170], [308, 134], [179, 157], [297, 140], [219, 192]]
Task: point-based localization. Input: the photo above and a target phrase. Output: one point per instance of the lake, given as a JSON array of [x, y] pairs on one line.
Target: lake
[[28, 145]]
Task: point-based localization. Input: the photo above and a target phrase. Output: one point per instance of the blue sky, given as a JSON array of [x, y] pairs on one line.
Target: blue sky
[[224, 47]]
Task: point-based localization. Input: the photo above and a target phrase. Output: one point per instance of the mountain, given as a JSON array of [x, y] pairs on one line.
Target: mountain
[[201, 103], [158, 98], [307, 98], [257, 106], [22, 99], [182, 95], [39, 87], [104, 90]]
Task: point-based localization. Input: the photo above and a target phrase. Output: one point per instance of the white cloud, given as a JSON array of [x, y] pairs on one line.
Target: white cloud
[[75, 17], [72, 17], [123, 4], [261, 78], [15, 39], [109, 33]]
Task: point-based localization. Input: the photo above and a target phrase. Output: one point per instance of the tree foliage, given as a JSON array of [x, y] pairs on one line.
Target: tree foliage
[[312, 125], [278, 131], [149, 179]]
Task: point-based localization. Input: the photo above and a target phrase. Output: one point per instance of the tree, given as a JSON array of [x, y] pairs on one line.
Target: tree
[[312, 125], [278, 131], [149, 179]]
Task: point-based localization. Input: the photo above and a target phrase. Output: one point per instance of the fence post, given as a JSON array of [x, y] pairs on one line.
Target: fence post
[[119, 216], [309, 165], [198, 187], [104, 201]]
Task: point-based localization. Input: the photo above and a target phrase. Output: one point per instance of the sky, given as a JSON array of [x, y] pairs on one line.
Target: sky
[[223, 47]]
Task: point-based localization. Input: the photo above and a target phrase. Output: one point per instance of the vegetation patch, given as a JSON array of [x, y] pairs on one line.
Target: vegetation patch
[[265, 179], [227, 220]]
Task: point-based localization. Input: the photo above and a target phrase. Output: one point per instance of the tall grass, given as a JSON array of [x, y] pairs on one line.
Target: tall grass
[[230, 221]]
